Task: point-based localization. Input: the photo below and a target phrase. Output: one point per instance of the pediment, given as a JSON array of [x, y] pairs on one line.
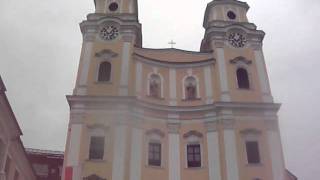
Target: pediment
[[240, 59], [106, 54], [93, 177]]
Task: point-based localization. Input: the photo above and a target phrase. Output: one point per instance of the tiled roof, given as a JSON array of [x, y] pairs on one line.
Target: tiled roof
[[44, 152]]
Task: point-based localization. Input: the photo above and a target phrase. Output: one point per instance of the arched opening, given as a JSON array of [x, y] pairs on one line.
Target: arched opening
[[104, 72], [155, 86], [190, 88], [243, 78]]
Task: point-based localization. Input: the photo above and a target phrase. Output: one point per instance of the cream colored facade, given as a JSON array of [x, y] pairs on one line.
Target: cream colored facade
[[220, 118], [14, 164]]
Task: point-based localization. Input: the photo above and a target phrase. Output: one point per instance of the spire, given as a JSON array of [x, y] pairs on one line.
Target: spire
[[116, 6]]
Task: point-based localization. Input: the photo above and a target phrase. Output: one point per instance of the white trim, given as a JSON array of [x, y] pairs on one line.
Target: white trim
[[276, 155], [263, 76], [213, 156], [174, 157], [119, 153], [208, 84], [138, 78], [231, 155], [85, 65], [184, 87], [75, 143], [223, 75], [193, 140], [173, 87], [161, 83], [136, 154], [124, 80]]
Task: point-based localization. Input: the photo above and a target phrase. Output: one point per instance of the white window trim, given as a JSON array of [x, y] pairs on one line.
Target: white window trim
[[157, 138], [96, 131], [241, 65], [184, 86], [161, 83], [193, 140], [100, 58], [251, 135]]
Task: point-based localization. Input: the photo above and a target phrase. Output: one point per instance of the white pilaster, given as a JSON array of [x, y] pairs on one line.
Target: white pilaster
[[230, 152], [223, 74], [85, 65], [135, 162], [213, 152], [263, 76], [118, 166], [208, 84], [173, 87], [138, 78], [73, 159], [275, 148], [124, 80], [174, 153]]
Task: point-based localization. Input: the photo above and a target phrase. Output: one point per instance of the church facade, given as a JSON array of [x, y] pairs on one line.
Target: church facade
[[170, 114]]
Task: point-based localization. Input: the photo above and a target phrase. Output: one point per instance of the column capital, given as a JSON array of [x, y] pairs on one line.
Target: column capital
[[272, 125], [173, 127], [211, 126], [228, 124]]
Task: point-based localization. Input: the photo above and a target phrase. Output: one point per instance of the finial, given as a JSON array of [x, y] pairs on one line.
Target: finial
[[172, 43]]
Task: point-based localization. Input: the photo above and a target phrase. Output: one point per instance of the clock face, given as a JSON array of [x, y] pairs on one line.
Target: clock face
[[237, 40], [109, 33]]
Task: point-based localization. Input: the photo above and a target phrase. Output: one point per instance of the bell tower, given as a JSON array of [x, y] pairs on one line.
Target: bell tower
[[116, 6], [237, 45]]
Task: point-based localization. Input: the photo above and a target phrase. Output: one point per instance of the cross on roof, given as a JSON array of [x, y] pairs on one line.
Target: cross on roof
[[172, 43]]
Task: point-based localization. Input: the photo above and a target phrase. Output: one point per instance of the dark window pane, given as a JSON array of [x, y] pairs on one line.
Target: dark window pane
[[96, 148], [104, 72], [194, 155], [154, 154], [7, 167], [253, 153], [243, 79]]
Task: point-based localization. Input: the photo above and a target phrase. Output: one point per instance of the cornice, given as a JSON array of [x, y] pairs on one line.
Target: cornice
[[168, 64], [99, 102]]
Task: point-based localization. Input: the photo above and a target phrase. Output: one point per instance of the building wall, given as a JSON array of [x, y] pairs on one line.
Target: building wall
[[14, 164]]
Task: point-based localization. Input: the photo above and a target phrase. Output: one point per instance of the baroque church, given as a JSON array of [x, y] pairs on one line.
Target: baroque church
[[171, 114]]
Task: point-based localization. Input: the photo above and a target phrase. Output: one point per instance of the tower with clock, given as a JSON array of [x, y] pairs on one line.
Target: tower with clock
[[138, 113]]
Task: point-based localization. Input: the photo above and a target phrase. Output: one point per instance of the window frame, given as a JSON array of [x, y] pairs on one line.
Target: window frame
[[193, 138], [160, 88], [151, 161], [90, 148], [98, 131], [154, 136], [184, 97], [252, 135], [194, 145], [248, 79], [98, 72]]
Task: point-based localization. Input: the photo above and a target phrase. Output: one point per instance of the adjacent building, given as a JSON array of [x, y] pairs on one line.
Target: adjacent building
[[47, 164], [171, 114], [14, 164]]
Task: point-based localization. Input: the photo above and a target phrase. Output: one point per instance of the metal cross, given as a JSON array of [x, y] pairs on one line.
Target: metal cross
[[172, 43]]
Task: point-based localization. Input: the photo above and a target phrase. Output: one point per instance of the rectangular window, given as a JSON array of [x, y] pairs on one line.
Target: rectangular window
[[194, 155], [154, 154], [96, 148], [253, 153]]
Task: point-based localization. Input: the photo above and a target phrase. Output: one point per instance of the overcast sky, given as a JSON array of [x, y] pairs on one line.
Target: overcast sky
[[40, 45]]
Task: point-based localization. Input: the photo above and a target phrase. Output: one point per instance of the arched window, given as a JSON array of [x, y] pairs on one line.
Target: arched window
[[155, 86], [243, 78], [190, 88], [104, 72]]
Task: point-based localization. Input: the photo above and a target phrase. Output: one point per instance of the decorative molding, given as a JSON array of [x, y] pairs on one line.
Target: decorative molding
[[173, 127], [219, 44], [155, 131], [272, 125], [106, 54], [93, 177], [211, 126], [240, 59], [193, 133], [228, 124], [250, 131], [128, 38]]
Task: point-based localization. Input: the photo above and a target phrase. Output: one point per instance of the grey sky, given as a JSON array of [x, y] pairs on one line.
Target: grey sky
[[40, 45]]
